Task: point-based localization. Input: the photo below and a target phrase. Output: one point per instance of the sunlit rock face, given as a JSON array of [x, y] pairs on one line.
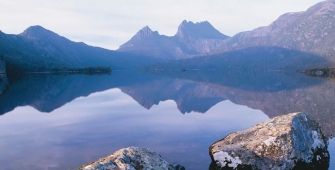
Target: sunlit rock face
[[286, 142], [132, 158]]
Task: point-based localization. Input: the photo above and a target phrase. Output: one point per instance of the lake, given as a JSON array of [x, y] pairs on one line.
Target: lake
[[63, 121]]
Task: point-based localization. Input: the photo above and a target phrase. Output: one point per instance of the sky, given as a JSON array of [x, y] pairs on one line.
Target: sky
[[110, 23]]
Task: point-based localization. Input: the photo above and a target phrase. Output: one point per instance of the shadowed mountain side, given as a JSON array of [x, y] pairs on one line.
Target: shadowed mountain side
[[38, 49], [189, 96], [255, 58], [19, 50]]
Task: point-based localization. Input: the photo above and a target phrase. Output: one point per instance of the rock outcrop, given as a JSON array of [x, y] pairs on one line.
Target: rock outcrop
[[132, 158], [292, 141]]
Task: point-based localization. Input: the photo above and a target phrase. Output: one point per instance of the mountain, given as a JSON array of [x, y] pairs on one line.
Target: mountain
[[151, 43], [309, 31], [38, 48], [191, 39], [248, 59]]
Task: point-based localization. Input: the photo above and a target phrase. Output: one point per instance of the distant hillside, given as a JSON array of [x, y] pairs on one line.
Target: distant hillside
[[253, 58], [309, 31], [191, 39], [38, 48]]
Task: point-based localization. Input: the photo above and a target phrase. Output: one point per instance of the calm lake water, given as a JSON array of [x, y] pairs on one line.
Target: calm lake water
[[64, 121]]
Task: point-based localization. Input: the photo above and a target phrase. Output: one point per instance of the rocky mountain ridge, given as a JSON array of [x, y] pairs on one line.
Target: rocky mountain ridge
[[310, 31], [191, 39]]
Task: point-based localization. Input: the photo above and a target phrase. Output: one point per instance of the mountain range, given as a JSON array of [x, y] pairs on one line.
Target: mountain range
[[191, 39], [295, 40], [38, 48], [310, 32]]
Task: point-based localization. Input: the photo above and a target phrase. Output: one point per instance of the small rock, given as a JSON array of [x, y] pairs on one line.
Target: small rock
[[292, 141], [132, 158]]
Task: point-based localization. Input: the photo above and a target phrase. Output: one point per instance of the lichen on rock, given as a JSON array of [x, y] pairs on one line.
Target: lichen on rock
[[285, 142], [132, 158]]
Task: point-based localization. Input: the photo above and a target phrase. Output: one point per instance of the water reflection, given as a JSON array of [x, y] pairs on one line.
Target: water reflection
[[95, 126], [144, 109]]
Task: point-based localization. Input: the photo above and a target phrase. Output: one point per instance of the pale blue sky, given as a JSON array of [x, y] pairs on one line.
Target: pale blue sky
[[110, 23]]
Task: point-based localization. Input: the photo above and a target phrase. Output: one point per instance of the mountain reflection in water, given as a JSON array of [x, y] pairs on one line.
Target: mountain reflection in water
[[218, 94]]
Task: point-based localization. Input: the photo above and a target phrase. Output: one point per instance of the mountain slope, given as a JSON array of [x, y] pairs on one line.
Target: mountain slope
[[310, 31], [191, 39], [151, 43], [248, 59], [38, 48]]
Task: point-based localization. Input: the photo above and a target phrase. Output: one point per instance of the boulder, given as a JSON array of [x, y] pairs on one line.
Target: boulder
[[292, 141], [132, 158]]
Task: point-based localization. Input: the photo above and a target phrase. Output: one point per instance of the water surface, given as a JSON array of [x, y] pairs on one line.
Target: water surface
[[62, 122]]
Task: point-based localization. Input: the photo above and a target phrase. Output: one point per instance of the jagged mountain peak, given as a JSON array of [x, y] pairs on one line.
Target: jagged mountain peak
[[198, 30], [146, 32]]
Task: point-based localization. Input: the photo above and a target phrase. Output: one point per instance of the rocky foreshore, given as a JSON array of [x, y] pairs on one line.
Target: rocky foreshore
[[132, 158], [292, 141]]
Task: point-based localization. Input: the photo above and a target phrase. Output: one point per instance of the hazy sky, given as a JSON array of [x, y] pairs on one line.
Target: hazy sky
[[110, 23]]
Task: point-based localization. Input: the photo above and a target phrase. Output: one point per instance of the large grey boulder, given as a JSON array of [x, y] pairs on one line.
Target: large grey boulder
[[132, 158], [292, 141]]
